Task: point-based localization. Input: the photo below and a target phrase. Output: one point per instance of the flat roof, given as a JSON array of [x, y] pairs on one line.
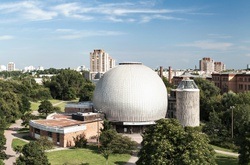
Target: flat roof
[[59, 122]]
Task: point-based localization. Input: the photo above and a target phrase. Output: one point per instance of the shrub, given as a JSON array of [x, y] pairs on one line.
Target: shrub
[[80, 141]]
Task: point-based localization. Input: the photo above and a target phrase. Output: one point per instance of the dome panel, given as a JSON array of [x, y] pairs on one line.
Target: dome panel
[[131, 92]]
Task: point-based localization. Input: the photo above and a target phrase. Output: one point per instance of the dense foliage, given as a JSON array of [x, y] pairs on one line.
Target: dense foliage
[[46, 107], [32, 154], [208, 97], [80, 141], [68, 85], [167, 142]]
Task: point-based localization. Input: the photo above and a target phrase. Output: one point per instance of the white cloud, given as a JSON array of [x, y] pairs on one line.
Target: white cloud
[[219, 36], [74, 34], [115, 12], [146, 19], [6, 37], [28, 10], [209, 45]]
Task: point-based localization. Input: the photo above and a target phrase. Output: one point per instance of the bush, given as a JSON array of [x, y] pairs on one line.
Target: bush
[[80, 141], [45, 143]]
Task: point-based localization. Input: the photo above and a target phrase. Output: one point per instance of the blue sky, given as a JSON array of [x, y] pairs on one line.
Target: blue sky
[[177, 33]]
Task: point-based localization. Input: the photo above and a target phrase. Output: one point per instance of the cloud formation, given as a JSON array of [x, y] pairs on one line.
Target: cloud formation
[[74, 34], [142, 12], [6, 37], [209, 45]]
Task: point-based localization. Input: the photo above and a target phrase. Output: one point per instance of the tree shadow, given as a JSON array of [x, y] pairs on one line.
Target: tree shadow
[[226, 160], [123, 163]]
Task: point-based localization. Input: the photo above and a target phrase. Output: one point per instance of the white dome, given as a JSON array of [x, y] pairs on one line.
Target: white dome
[[131, 92]]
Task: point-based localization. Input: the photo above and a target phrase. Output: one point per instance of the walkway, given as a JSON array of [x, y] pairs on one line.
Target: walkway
[[226, 153], [9, 135]]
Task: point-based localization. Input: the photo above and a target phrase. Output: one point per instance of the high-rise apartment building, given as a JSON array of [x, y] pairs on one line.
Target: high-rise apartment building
[[11, 66], [219, 66], [207, 65], [100, 62]]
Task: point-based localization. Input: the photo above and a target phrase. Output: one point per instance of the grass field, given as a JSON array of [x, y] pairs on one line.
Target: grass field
[[34, 105], [17, 142], [57, 103], [90, 156], [226, 160]]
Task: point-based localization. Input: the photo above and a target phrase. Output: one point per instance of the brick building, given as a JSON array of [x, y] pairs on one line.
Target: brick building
[[62, 129], [236, 82]]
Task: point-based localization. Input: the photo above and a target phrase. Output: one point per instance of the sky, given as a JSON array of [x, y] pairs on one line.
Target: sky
[[177, 33]]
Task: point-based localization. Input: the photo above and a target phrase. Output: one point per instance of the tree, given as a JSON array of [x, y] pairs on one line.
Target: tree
[[86, 93], [45, 143], [45, 107], [208, 94], [216, 130], [26, 118], [242, 132], [2, 147], [112, 142], [66, 85], [80, 141], [32, 154], [167, 84], [167, 142]]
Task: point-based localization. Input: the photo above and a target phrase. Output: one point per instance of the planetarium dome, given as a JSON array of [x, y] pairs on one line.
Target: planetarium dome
[[131, 92]]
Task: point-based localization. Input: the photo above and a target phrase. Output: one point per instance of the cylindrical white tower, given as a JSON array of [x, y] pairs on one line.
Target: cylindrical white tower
[[188, 103]]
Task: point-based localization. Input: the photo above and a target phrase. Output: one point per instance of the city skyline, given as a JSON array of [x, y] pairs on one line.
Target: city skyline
[[157, 33]]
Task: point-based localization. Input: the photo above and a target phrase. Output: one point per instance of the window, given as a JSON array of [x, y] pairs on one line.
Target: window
[[240, 86], [37, 131], [50, 134], [58, 138]]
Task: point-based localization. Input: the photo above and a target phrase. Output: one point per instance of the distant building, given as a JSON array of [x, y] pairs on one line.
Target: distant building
[[29, 68], [207, 65], [236, 82], [100, 62], [219, 67], [86, 106], [40, 68], [3, 68], [11, 66]]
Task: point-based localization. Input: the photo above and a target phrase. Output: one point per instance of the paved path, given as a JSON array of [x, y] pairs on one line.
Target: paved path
[[9, 135], [226, 153]]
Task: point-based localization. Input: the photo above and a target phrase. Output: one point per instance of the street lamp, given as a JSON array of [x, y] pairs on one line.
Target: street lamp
[[232, 123], [98, 128]]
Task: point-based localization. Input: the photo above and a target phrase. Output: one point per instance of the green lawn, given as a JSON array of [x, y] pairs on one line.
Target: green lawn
[[17, 142], [34, 105], [78, 156], [226, 160], [59, 103]]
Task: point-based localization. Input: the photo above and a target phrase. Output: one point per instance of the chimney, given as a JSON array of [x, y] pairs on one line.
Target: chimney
[[161, 71], [170, 74]]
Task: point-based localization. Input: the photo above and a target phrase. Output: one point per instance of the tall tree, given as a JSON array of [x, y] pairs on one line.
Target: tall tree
[[167, 142], [66, 85], [45, 107], [208, 93], [32, 154]]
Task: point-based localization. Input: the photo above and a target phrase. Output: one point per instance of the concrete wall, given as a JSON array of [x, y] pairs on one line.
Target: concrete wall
[[188, 107]]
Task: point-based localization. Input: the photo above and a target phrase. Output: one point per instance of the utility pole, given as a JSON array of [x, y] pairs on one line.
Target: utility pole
[[232, 114]]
